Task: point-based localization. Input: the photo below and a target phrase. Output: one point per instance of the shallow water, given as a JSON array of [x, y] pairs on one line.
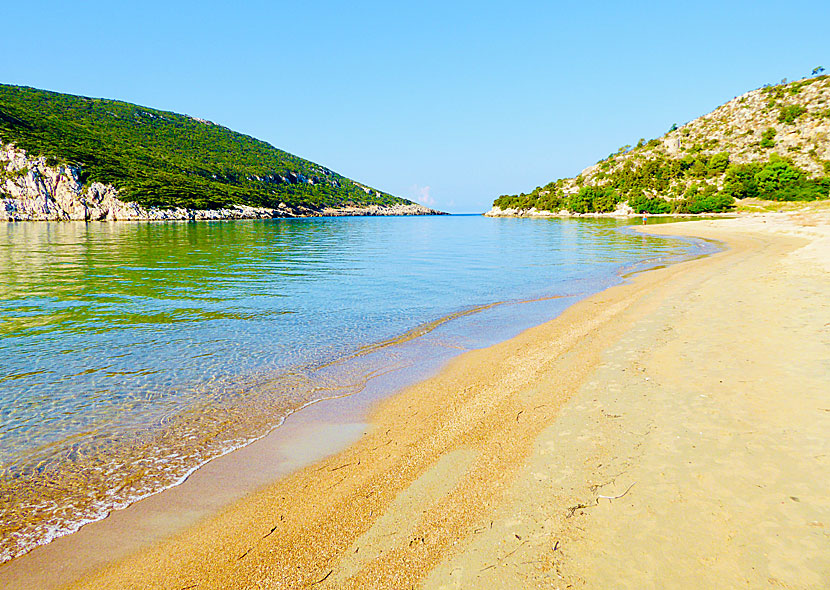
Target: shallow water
[[132, 353]]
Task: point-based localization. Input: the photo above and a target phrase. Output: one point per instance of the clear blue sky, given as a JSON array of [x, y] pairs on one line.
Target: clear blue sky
[[452, 103]]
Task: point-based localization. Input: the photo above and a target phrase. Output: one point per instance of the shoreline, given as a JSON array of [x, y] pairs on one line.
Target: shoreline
[[46, 208], [743, 208], [456, 444], [526, 314], [115, 527], [534, 213]]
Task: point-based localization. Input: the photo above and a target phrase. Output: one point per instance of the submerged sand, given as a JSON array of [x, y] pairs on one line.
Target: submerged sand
[[667, 432]]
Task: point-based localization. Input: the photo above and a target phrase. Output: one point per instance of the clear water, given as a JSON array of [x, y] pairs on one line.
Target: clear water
[[130, 354]]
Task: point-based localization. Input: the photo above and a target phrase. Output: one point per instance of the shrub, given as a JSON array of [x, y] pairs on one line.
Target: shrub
[[740, 181], [803, 189], [777, 174], [716, 203], [604, 199], [718, 163], [652, 205], [686, 162], [698, 169], [788, 114], [581, 202], [766, 138], [550, 202], [706, 201]]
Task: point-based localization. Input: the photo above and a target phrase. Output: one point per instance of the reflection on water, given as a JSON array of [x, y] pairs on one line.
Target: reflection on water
[[132, 353]]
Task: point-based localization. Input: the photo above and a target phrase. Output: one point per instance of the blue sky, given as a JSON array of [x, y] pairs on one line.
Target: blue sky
[[448, 103]]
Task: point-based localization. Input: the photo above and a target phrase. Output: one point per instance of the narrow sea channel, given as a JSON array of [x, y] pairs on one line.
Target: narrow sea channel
[[132, 353]]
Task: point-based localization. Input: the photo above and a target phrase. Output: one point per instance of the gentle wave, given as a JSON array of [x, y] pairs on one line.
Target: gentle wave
[[44, 495], [133, 355]]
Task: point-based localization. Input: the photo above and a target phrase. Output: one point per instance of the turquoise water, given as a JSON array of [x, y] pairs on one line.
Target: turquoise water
[[132, 353]]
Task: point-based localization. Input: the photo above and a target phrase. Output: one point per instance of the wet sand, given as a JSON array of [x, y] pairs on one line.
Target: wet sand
[[670, 431]]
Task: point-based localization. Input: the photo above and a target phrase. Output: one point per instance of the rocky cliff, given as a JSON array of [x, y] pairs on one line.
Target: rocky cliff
[[33, 190]]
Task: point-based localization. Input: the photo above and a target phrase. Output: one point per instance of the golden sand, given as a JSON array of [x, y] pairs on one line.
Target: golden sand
[[668, 432]]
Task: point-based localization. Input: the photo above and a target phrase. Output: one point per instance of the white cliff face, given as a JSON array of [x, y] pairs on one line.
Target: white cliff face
[[32, 190]]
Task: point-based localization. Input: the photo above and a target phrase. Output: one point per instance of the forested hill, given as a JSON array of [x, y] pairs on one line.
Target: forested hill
[[163, 159], [771, 143]]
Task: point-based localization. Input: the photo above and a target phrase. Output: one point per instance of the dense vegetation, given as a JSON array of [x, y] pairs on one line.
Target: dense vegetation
[[746, 148], [164, 159], [777, 180]]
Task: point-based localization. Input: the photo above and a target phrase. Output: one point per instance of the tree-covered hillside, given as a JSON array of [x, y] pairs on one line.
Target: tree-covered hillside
[[163, 159], [772, 143]]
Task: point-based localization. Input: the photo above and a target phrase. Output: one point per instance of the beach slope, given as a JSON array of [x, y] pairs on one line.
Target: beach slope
[[667, 432]]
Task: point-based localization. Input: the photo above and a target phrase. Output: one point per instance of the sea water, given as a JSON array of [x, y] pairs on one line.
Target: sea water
[[132, 353]]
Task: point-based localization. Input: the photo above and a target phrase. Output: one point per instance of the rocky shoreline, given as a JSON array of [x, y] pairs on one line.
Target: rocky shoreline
[[33, 190], [622, 211]]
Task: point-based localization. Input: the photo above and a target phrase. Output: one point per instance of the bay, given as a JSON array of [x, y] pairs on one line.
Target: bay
[[130, 354]]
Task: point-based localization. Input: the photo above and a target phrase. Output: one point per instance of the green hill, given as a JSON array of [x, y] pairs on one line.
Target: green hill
[[772, 143], [163, 159]]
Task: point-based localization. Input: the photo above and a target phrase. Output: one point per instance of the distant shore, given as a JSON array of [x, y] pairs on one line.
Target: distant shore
[[33, 189], [743, 208], [109, 208], [689, 403], [625, 213]]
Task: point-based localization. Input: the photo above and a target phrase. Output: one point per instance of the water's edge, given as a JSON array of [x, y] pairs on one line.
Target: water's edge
[[354, 409]]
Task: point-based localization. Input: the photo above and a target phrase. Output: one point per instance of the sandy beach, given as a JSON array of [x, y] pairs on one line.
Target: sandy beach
[[667, 432]]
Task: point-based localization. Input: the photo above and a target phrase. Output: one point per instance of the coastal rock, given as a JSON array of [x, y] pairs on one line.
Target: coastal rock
[[33, 190], [622, 210]]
